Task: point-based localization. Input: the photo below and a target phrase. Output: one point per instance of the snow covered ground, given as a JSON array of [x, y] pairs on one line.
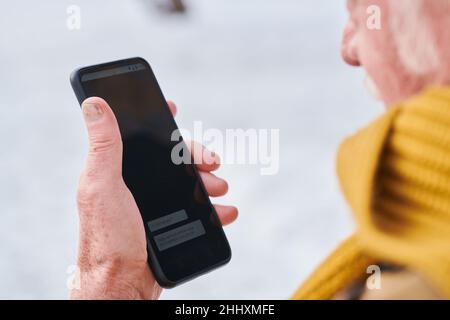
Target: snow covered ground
[[229, 63]]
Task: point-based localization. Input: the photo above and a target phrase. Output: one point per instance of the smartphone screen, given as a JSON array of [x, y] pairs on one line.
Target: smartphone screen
[[184, 235]]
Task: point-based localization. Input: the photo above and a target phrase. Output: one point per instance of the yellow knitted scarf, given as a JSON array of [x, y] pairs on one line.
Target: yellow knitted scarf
[[395, 175]]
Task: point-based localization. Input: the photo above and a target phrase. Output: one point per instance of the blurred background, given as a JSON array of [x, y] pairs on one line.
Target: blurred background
[[229, 63]]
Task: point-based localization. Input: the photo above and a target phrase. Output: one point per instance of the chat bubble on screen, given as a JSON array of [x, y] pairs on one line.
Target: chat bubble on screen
[[167, 220], [179, 235]]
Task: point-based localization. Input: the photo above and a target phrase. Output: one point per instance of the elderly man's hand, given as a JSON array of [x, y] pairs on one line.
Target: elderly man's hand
[[112, 256]]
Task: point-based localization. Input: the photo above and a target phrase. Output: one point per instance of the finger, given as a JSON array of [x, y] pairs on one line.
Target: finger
[[204, 159], [105, 143], [172, 107], [227, 214], [215, 186]]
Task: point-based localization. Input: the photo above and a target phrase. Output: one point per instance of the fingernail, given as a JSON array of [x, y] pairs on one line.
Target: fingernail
[[91, 112]]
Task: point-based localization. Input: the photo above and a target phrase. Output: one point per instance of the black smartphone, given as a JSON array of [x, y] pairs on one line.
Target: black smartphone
[[185, 238]]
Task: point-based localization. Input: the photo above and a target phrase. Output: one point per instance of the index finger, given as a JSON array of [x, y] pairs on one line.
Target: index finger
[[204, 159], [172, 107]]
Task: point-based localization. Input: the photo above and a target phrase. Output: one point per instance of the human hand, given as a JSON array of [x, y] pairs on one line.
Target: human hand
[[112, 254]]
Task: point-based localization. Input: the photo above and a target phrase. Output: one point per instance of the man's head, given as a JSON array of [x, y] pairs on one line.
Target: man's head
[[408, 52]]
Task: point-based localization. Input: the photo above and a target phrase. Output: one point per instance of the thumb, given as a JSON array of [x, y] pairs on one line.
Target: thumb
[[105, 144]]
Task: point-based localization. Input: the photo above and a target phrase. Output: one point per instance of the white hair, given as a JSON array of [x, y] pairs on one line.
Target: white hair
[[414, 37]]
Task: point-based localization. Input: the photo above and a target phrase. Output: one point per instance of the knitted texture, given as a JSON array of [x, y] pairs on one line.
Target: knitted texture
[[395, 175], [347, 264]]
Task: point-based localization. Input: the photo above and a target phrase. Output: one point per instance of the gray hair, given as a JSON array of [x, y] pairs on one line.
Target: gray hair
[[414, 37]]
